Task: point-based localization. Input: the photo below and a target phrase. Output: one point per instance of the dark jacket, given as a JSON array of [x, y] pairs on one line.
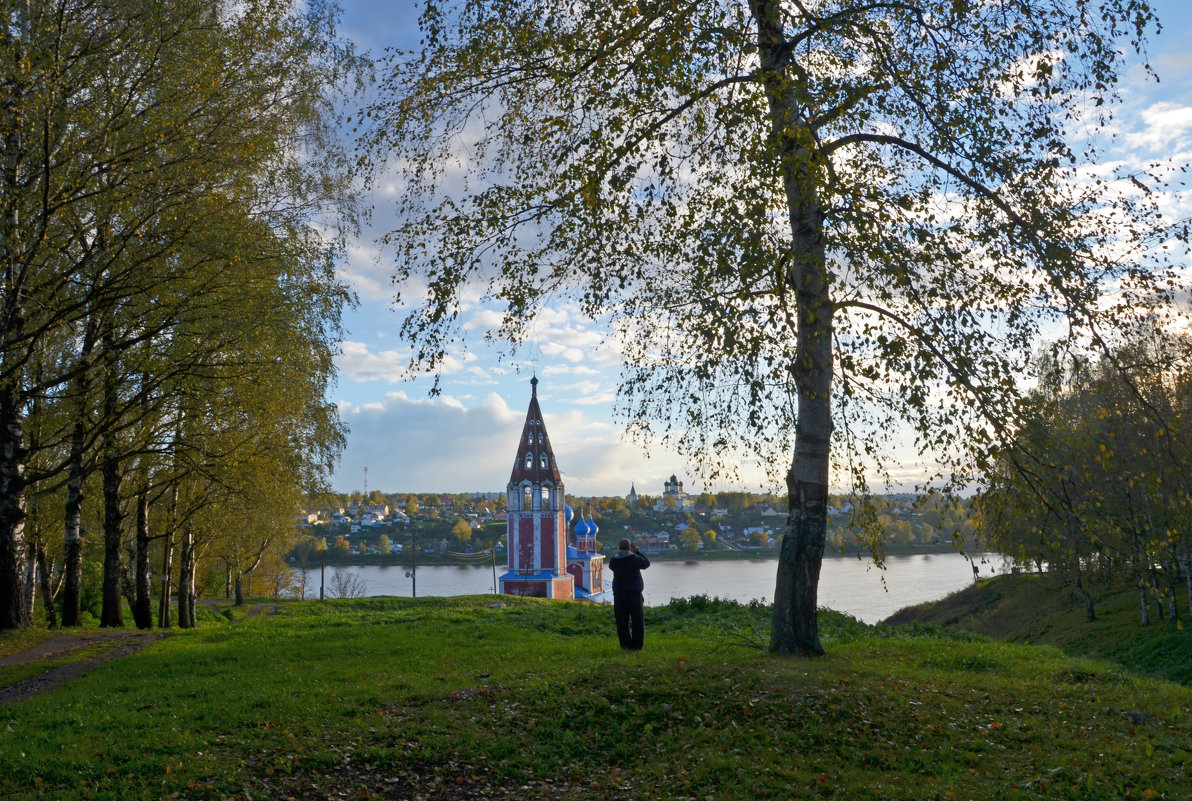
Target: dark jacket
[[627, 570]]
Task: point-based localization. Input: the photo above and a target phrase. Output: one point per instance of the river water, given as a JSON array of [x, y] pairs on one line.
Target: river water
[[847, 584]]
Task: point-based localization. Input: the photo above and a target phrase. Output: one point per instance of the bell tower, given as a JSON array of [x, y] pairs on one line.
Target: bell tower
[[535, 505]]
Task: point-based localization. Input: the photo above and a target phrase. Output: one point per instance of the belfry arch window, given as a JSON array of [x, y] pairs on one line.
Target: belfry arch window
[[527, 497], [529, 460], [542, 461]]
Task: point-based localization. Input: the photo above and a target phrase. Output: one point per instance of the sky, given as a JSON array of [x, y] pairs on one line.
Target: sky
[[465, 439]]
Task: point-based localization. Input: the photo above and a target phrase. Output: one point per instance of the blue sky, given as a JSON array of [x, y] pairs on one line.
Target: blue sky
[[465, 440]]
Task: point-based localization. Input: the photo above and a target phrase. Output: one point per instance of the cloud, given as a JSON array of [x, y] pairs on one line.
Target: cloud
[[443, 445], [367, 275], [483, 320], [357, 362], [1165, 123], [429, 445], [567, 369]]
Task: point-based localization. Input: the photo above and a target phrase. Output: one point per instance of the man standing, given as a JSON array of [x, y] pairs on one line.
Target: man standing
[[627, 567]]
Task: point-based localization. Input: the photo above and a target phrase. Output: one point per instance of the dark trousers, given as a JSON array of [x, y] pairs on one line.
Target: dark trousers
[[627, 609]]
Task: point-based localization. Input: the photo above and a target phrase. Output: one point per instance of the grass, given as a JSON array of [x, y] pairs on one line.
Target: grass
[[455, 699], [1032, 609], [14, 674], [15, 641]]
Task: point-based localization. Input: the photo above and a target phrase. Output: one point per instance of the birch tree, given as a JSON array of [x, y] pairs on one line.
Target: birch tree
[[804, 222], [1097, 479], [140, 140]]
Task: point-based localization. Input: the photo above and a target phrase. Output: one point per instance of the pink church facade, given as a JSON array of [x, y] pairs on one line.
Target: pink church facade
[[541, 562]]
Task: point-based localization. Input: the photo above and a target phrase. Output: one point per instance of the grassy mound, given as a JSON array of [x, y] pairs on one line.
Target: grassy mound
[[463, 699], [1033, 609]]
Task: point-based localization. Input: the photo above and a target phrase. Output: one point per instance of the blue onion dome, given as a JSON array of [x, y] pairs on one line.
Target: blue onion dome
[[569, 513], [581, 528], [592, 528]]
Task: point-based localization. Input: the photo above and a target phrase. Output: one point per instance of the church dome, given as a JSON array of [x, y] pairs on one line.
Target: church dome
[[570, 513], [581, 528], [592, 527]]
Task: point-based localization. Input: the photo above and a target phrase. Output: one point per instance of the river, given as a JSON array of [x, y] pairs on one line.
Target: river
[[847, 584]]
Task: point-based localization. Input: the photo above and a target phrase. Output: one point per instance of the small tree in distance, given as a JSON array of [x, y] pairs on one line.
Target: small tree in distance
[[346, 584], [462, 532]]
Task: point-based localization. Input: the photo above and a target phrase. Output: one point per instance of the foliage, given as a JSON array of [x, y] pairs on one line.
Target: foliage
[[1098, 480], [452, 697], [689, 540], [174, 203], [462, 532], [804, 223]]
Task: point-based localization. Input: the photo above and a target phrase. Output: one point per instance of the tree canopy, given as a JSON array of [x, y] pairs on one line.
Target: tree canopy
[[1098, 481], [803, 222], [173, 202]]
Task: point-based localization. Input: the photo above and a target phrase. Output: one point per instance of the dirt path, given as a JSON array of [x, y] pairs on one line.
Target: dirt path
[[121, 642], [256, 610]]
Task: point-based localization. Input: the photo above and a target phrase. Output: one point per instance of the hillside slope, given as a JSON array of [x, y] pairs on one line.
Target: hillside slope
[[1035, 609], [523, 699]]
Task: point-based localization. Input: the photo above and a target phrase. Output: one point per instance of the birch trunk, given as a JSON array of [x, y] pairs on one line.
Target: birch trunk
[[113, 518], [111, 614], [1090, 613], [1144, 607], [12, 329], [30, 579], [45, 575], [167, 566], [72, 532], [1187, 560], [186, 569], [795, 627], [142, 610], [12, 512]]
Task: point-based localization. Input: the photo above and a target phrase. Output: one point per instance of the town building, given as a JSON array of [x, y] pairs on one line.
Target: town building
[[673, 490], [540, 561], [584, 563]]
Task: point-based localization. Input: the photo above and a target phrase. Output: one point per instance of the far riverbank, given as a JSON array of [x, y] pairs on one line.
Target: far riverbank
[[331, 559], [849, 585]]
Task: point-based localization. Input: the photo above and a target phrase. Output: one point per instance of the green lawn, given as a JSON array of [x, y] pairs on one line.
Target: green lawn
[[453, 699], [1038, 609]]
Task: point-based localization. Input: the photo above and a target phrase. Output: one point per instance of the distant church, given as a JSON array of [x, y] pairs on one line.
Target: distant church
[[673, 489], [541, 562]]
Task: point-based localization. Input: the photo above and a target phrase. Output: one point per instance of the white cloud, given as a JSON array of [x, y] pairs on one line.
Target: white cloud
[[358, 362], [1165, 123], [562, 351], [567, 369], [483, 320], [442, 445], [367, 274], [429, 444]]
